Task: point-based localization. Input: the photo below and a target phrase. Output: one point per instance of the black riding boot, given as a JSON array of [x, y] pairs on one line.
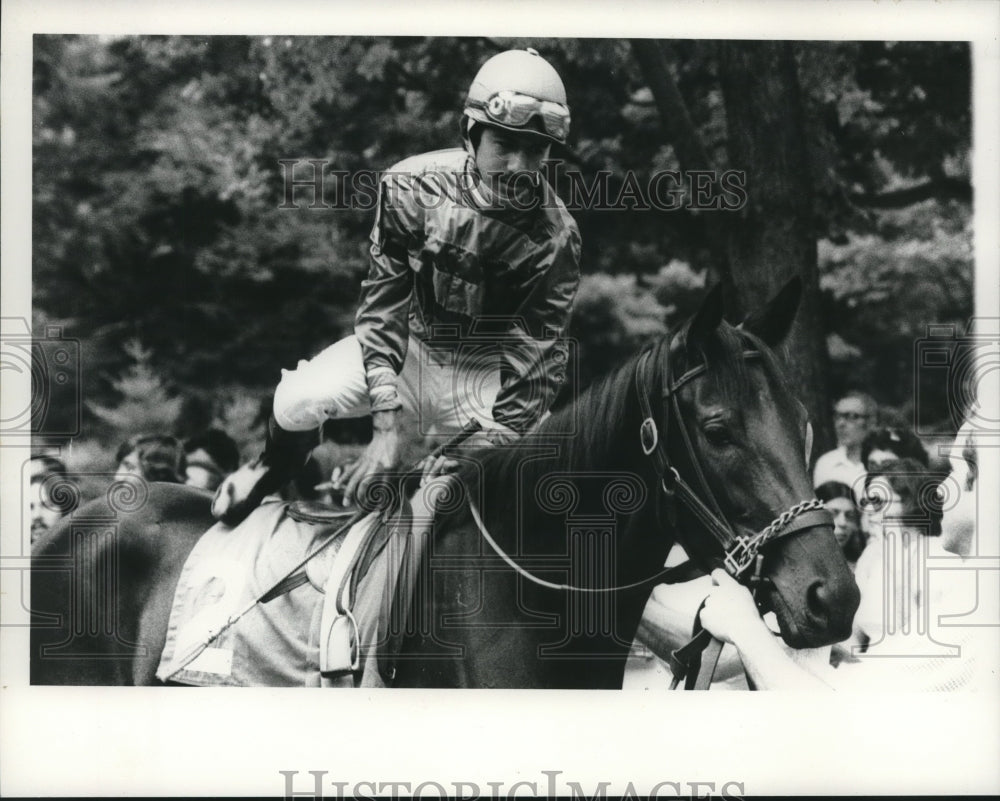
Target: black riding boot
[[284, 453]]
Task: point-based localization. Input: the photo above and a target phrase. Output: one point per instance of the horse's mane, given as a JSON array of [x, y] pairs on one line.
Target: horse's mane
[[605, 417], [592, 416]]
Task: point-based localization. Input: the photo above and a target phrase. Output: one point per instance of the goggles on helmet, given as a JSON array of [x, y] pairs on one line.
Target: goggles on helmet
[[507, 107]]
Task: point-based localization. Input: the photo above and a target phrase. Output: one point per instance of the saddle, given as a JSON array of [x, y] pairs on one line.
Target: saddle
[[369, 593], [346, 627], [297, 595]]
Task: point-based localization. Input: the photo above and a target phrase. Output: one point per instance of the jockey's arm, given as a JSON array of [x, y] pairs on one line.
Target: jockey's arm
[[382, 328], [382, 454], [382, 323], [535, 352]]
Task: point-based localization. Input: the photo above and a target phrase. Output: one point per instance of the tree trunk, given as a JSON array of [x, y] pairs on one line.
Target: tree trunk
[[773, 237], [682, 134]]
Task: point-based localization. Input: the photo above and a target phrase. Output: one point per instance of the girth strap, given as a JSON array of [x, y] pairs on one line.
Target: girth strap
[[393, 626]]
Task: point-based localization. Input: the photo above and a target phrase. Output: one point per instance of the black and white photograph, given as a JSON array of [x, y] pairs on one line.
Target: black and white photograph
[[608, 395]]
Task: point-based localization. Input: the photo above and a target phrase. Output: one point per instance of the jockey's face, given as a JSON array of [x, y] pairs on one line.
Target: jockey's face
[[510, 165]]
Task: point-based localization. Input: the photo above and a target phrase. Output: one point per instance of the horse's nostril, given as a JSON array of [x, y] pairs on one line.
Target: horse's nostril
[[818, 598], [832, 609]]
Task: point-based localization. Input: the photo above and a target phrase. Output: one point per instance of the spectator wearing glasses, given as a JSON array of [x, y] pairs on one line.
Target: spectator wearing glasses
[[853, 417], [901, 504]]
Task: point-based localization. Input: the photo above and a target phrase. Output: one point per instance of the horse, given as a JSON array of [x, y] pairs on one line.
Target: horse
[[544, 553]]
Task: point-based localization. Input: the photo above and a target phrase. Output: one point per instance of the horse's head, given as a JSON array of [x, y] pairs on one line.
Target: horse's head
[[738, 438]]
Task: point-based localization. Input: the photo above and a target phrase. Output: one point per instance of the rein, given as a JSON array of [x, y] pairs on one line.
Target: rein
[[695, 662], [671, 575], [740, 552]]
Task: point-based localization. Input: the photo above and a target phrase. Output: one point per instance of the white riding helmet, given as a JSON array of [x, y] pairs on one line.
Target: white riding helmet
[[520, 91]]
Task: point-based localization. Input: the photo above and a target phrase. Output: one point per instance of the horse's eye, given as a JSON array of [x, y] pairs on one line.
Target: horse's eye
[[718, 436]]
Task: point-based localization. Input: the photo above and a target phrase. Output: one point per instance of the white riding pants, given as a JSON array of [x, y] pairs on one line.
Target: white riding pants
[[443, 388]]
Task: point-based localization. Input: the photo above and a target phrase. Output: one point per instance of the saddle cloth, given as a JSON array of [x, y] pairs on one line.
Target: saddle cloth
[[303, 637]]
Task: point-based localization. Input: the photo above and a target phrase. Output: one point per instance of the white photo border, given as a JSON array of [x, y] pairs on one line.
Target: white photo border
[[143, 741]]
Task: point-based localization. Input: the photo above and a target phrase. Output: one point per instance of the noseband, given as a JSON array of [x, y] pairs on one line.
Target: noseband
[[694, 662], [739, 552]]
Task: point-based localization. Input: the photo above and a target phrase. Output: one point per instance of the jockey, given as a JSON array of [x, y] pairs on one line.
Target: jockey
[[474, 268]]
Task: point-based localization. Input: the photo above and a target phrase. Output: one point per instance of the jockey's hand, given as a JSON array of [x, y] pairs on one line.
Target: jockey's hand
[[381, 455], [729, 612], [433, 466]]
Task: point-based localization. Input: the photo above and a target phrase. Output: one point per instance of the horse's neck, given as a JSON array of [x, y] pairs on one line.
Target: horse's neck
[[556, 488], [558, 507], [559, 481]]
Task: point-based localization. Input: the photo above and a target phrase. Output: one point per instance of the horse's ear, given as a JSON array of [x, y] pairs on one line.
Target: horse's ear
[[708, 316], [773, 322]]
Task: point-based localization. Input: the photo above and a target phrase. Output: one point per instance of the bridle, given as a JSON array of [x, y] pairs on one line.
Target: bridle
[[739, 552], [695, 662]]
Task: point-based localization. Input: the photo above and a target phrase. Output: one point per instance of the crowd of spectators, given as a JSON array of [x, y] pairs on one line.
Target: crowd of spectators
[[865, 448], [202, 461], [911, 522], [886, 501], [895, 512]]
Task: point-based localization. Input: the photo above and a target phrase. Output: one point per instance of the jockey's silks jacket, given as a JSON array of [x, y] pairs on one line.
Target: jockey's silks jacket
[[445, 265]]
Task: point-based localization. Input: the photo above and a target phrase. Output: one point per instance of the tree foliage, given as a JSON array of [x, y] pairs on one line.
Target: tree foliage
[[158, 192], [145, 403]]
